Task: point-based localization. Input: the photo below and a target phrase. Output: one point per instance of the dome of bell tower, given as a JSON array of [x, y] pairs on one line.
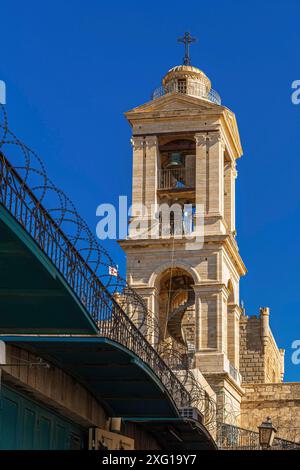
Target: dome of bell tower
[[187, 79], [187, 71]]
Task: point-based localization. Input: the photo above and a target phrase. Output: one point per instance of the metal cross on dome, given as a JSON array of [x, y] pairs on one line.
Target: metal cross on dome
[[187, 39]]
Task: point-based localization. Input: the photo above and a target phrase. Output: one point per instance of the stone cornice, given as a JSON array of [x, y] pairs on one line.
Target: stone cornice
[[145, 289], [236, 309], [189, 109], [211, 242], [227, 377], [151, 141], [210, 288]]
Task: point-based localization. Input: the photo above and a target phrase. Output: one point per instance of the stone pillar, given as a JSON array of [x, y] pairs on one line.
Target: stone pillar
[[150, 326], [201, 171], [152, 155], [144, 186], [198, 330], [201, 165], [151, 178], [210, 181], [209, 320], [233, 335], [137, 169], [211, 333], [265, 326], [138, 184], [229, 195], [215, 175], [282, 353], [190, 165], [222, 320]]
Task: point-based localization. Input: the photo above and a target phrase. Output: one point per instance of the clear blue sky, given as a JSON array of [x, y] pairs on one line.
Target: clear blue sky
[[73, 67]]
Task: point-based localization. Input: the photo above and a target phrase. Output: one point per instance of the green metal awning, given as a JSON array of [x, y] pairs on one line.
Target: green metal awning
[[34, 297], [177, 433], [123, 384]]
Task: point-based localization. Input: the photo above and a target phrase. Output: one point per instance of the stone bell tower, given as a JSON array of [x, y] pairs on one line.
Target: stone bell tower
[[185, 148]]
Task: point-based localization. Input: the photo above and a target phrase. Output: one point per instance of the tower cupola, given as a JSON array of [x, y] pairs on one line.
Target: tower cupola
[[187, 79]]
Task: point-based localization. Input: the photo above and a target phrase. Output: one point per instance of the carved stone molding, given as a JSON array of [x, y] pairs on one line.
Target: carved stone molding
[[137, 142], [201, 139], [231, 165], [215, 137], [151, 141]]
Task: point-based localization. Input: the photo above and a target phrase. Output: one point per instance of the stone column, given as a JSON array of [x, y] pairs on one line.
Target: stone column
[[282, 353], [198, 330], [209, 314], [201, 165], [215, 176], [210, 180], [190, 165], [233, 335], [138, 170], [149, 328], [151, 178], [222, 320], [265, 326], [230, 175], [209, 320], [201, 170]]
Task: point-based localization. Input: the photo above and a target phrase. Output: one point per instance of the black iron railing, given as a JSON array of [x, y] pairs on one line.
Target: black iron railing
[[188, 89], [231, 437], [111, 320]]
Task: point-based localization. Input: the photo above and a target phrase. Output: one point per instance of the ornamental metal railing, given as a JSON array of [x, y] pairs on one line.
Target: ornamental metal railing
[[176, 178], [192, 89], [111, 320], [120, 313], [231, 437]]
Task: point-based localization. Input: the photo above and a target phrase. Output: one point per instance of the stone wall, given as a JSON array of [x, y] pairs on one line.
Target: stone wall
[[280, 401], [251, 350], [228, 398], [260, 359]]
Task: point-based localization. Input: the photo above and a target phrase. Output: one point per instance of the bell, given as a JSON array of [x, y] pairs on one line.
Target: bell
[[175, 160]]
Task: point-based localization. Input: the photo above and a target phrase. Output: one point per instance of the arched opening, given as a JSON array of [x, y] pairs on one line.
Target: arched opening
[[176, 185], [177, 163], [176, 303]]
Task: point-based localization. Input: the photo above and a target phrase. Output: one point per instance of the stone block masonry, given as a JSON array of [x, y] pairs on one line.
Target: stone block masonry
[[280, 401], [260, 359]]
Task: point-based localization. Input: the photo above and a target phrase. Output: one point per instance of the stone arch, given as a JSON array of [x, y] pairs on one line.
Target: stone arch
[[159, 272], [175, 301]]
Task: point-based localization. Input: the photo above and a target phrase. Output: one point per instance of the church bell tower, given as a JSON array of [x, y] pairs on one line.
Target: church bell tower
[[185, 148]]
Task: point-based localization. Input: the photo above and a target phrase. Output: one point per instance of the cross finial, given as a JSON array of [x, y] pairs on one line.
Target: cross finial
[[187, 39]]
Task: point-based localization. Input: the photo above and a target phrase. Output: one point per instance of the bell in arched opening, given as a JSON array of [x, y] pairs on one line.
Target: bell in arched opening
[[175, 160]]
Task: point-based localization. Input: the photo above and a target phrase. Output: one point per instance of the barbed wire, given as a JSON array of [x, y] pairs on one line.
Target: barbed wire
[[68, 221]]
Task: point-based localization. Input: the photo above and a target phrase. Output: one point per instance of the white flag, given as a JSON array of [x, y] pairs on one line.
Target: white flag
[[113, 271]]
